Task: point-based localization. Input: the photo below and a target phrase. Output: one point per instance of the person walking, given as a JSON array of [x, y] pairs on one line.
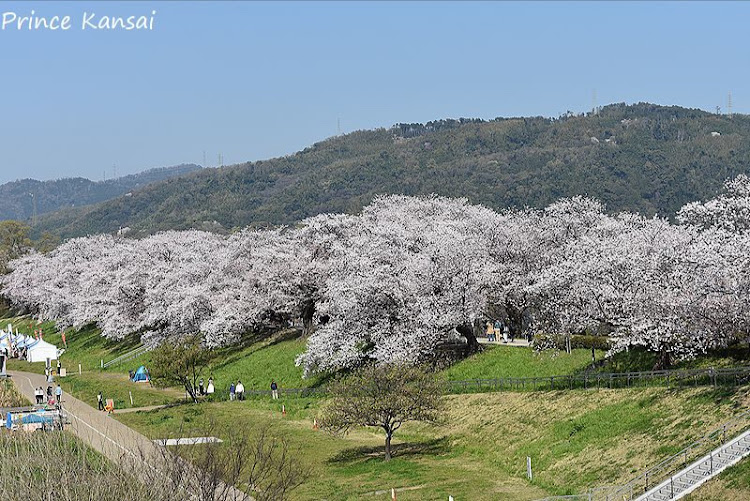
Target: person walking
[[39, 394], [58, 394], [210, 388], [231, 391], [59, 366], [274, 390], [100, 401], [240, 390], [201, 391], [49, 395], [489, 331]]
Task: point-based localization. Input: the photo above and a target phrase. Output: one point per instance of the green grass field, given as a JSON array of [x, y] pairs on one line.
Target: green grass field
[[576, 439], [497, 361]]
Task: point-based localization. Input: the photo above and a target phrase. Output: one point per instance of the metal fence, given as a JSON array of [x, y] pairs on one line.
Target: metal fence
[[667, 468], [735, 376], [137, 352]]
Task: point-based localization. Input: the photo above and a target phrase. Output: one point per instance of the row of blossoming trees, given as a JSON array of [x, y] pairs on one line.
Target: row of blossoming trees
[[408, 274]]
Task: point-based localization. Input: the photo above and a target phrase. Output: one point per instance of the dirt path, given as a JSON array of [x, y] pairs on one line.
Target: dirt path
[[136, 409], [113, 439]]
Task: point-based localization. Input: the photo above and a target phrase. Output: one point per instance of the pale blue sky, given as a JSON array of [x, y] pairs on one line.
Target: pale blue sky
[[255, 80]]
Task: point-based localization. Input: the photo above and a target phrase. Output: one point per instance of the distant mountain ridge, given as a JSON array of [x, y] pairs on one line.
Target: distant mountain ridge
[[19, 196], [644, 158]]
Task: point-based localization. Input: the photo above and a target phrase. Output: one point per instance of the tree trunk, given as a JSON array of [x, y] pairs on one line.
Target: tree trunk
[[471, 339], [308, 311], [388, 435], [515, 319], [664, 361], [191, 391]]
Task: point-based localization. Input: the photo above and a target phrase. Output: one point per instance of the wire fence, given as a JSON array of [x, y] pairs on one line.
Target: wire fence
[[678, 378], [735, 376]]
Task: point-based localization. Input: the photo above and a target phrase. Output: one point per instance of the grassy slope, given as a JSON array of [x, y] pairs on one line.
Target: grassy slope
[[479, 453], [256, 365], [732, 485], [506, 361], [88, 348], [576, 440]]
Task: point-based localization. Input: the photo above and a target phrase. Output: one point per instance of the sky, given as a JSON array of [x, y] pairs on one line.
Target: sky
[[254, 80]]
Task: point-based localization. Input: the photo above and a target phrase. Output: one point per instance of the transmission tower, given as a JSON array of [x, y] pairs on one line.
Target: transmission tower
[[34, 213], [729, 104], [594, 109]]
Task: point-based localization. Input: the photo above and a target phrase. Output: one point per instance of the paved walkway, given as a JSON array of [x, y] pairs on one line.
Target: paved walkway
[[113, 439], [520, 343]]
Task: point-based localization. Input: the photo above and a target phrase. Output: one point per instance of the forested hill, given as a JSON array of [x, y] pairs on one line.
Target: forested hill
[[645, 158], [50, 196]]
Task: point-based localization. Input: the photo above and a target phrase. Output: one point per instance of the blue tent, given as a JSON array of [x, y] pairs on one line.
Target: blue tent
[[141, 375], [21, 418], [37, 418]]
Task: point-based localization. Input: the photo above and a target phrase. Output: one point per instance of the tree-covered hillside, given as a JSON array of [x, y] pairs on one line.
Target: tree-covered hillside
[[645, 158], [19, 196]]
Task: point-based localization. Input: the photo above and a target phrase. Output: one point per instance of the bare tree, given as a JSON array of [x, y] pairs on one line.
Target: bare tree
[[383, 396], [264, 465]]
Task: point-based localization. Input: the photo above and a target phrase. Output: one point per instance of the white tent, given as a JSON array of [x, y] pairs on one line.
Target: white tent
[[40, 350]]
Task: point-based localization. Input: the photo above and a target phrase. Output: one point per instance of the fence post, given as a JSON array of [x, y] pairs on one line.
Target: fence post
[[528, 468]]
